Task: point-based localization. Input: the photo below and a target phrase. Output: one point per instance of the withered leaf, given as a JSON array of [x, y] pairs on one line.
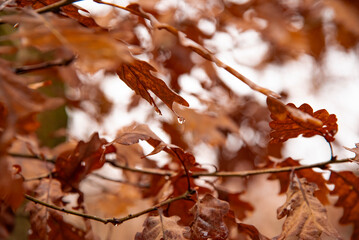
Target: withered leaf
[[346, 186], [74, 165], [48, 223], [290, 122], [208, 221], [239, 206], [306, 217], [316, 177], [161, 227], [138, 75], [250, 231], [7, 220], [354, 150]]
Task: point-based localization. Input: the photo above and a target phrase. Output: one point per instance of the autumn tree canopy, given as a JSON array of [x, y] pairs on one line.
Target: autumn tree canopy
[[146, 180]]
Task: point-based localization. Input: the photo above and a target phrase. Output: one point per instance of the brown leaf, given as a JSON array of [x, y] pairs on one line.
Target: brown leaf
[[11, 186], [290, 122], [138, 75], [208, 219], [50, 32], [346, 186], [70, 10], [7, 220], [239, 206], [74, 165], [250, 231], [315, 177], [161, 227], [47, 223], [354, 150], [306, 217]]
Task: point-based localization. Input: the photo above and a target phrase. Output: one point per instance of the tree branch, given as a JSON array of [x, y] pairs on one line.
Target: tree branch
[[195, 47], [26, 69], [115, 221], [154, 171]]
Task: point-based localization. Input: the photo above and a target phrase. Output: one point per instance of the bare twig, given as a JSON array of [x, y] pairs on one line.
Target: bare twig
[[115, 221], [120, 181], [154, 171]]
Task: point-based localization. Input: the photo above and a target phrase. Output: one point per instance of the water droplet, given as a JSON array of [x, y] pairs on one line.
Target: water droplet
[[83, 164], [181, 120]]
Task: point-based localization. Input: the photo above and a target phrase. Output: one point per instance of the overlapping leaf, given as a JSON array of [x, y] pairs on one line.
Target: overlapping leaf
[[315, 177], [48, 223], [306, 217], [161, 227], [354, 150], [208, 221], [290, 122], [139, 76], [74, 165], [49, 32], [346, 186]]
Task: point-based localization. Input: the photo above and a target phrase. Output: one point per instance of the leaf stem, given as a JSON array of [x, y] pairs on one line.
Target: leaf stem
[[55, 6]]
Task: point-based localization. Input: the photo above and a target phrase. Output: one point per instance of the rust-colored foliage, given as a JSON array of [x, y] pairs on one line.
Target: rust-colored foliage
[[354, 150], [139, 76], [48, 223], [290, 122], [346, 186], [74, 165], [56, 61], [316, 177]]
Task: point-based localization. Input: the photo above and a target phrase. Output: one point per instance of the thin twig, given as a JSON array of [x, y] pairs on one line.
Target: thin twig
[[115, 221], [154, 171], [120, 181]]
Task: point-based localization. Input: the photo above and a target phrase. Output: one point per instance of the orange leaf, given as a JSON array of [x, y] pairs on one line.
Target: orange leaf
[[356, 151], [346, 186], [290, 122], [74, 165], [309, 174], [138, 75]]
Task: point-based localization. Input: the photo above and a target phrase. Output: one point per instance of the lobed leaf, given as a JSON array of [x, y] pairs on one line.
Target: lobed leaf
[[306, 217], [290, 122], [138, 75], [208, 221]]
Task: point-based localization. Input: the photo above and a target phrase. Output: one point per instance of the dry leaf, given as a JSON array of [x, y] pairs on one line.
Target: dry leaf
[[208, 221], [354, 150], [138, 75], [161, 227], [290, 122], [306, 217]]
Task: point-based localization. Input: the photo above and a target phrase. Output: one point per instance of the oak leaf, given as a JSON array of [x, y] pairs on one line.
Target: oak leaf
[[138, 75], [316, 177], [346, 186], [290, 122], [74, 165], [161, 227], [208, 221], [47, 223], [354, 150], [306, 217]]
